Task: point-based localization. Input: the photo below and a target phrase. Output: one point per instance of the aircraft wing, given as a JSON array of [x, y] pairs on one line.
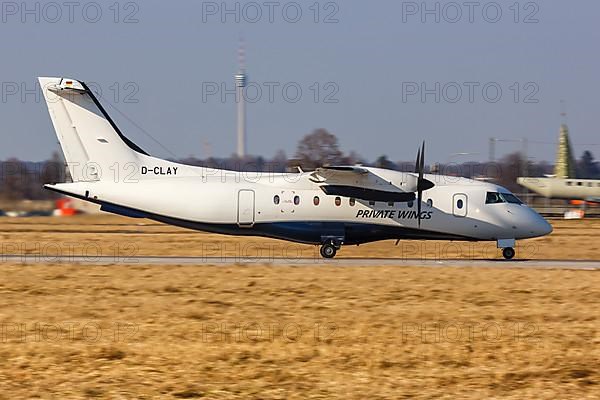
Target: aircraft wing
[[362, 193], [338, 174], [363, 184]]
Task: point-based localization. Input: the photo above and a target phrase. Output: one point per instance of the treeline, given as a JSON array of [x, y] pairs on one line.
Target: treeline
[[24, 180], [21, 180]]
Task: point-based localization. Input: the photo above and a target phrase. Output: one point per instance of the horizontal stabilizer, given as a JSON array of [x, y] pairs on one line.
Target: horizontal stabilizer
[[66, 85]]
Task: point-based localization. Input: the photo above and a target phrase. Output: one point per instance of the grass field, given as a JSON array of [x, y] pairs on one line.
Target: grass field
[[273, 332], [283, 332], [126, 238]]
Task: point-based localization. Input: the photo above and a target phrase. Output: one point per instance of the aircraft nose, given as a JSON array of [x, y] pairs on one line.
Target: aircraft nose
[[538, 226], [526, 223]]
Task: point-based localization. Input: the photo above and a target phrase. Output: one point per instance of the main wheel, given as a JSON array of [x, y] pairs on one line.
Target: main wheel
[[328, 250], [508, 253]]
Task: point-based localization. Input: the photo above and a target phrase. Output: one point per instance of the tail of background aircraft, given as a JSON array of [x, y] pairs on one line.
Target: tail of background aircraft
[[91, 142]]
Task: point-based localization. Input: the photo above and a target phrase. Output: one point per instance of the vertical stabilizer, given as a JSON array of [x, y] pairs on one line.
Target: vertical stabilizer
[[91, 142]]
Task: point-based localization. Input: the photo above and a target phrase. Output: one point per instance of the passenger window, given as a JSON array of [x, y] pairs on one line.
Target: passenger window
[[430, 202], [338, 201], [276, 200], [316, 201], [460, 204], [352, 202], [410, 204], [297, 200], [371, 203]]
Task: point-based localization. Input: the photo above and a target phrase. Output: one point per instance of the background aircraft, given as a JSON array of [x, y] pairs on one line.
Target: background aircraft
[[563, 184], [570, 189]]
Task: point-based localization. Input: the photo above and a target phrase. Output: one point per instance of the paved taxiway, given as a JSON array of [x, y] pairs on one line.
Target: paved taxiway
[[346, 262]]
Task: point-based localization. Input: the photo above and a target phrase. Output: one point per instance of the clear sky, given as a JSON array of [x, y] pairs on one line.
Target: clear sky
[[158, 62]]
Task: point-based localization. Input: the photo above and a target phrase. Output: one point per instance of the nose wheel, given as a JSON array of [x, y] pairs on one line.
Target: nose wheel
[[508, 253], [328, 250]]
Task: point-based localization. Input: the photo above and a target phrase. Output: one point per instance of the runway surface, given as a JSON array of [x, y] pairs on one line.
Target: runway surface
[[304, 262]]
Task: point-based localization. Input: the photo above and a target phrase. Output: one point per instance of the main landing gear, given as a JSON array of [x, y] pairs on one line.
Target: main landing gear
[[329, 249]]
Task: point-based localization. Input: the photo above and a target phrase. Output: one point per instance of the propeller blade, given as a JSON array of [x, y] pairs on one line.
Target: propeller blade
[[419, 204], [418, 162], [422, 162], [421, 182]]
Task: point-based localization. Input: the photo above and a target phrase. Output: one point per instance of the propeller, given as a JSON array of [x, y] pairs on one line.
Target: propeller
[[422, 183]]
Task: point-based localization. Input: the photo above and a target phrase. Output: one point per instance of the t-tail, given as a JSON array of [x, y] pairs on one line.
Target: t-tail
[[91, 142]]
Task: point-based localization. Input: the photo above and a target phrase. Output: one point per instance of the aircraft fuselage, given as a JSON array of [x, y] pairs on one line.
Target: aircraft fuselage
[[292, 207]]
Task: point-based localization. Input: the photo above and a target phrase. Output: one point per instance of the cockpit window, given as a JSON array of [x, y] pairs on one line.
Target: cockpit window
[[493, 198], [496, 197], [511, 198]]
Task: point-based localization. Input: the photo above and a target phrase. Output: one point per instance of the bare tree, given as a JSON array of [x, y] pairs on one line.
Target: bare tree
[[279, 162], [318, 149], [511, 167], [384, 162]]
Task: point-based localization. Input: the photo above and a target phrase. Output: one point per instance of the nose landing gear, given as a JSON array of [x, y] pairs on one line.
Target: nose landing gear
[[508, 253], [508, 247]]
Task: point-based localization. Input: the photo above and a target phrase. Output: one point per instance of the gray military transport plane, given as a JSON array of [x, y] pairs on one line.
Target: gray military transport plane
[[330, 207]]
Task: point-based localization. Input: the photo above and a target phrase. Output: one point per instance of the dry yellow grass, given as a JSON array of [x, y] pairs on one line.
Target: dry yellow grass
[[326, 332], [235, 332], [111, 235]]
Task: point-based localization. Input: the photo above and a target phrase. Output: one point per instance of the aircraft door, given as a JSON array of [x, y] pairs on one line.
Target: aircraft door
[[246, 208], [460, 205]]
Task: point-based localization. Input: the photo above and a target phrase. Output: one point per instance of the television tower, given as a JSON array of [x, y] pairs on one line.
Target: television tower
[[241, 80]]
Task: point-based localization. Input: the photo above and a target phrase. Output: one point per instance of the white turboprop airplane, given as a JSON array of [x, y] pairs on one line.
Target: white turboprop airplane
[[330, 207]]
